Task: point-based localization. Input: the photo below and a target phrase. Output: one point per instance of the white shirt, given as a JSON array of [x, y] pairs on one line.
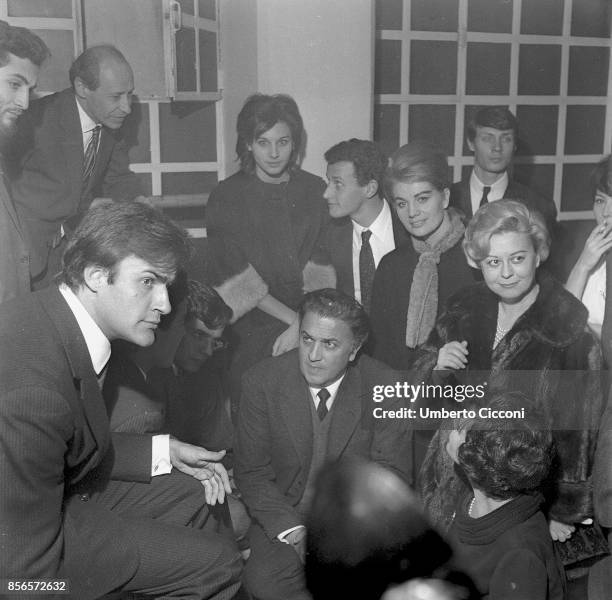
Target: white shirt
[[332, 388], [498, 189], [381, 242], [87, 125], [99, 349], [594, 296]]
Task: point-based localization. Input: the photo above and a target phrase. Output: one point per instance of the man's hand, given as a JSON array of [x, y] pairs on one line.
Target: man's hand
[[204, 465], [297, 540], [288, 340], [560, 531]]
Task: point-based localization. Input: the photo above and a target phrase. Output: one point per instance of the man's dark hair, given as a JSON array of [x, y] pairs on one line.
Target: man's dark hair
[[259, 114], [21, 42], [87, 65], [507, 457], [205, 304], [111, 232], [367, 157], [497, 117], [334, 304]]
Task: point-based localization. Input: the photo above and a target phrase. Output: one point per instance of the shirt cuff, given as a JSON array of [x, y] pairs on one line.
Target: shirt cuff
[[281, 536], [160, 460]]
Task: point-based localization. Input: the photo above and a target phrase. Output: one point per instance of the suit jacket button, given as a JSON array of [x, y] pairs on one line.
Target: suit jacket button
[[84, 497]]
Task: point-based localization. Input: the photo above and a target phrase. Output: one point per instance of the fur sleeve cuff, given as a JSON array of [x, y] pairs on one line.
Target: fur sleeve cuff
[[574, 502], [243, 292], [317, 277]]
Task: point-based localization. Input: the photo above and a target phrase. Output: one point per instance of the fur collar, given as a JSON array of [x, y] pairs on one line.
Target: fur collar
[[556, 317]]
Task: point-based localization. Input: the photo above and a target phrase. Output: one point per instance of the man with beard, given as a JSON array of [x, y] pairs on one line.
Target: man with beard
[[21, 54], [68, 151]]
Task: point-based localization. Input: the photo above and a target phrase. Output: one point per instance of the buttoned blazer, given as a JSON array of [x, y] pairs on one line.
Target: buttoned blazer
[[275, 437], [45, 168], [339, 244], [57, 451]]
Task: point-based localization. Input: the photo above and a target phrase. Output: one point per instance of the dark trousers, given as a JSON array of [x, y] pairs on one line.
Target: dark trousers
[[185, 547], [273, 570]]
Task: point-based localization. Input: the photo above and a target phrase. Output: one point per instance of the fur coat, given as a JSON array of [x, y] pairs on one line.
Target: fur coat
[[552, 357]]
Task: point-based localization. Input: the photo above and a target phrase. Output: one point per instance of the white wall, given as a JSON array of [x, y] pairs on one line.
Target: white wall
[[322, 53], [319, 51]]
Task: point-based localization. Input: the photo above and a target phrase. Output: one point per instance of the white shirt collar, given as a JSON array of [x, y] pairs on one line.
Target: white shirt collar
[[332, 388], [87, 123], [379, 226], [497, 188], [97, 343]]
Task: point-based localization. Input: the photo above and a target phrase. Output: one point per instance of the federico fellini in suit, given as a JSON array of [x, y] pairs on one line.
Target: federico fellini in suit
[[298, 411]]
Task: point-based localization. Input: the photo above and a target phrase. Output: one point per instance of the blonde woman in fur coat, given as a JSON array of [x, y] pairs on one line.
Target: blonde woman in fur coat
[[518, 330]]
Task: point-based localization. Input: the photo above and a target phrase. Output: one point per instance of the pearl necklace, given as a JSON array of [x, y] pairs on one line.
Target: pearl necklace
[[471, 506], [500, 333]]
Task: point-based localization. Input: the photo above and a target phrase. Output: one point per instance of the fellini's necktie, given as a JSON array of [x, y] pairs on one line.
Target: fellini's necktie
[[322, 409]]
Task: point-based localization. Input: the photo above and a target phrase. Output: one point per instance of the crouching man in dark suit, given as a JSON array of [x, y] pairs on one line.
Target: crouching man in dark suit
[[105, 512], [298, 411]]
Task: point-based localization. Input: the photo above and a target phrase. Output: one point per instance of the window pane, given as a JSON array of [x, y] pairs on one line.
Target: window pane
[[539, 69], [539, 178], [208, 61], [537, 129], [424, 79], [493, 16], [386, 126], [591, 18], [189, 183], [488, 68], [584, 130], [136, 133], [388, 67], [389, 14], [187, 6], [544, 17], [58, 9], [588, 71], [146, 184], [574, 186], [207, 9], [434, 15], [435, 124], [188, 132], [185, 61]]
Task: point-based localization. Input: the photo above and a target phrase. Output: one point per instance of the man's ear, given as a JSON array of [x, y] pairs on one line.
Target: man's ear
[[80, 89], [353, 354], [95, 277], [470, 144], [371, 188]]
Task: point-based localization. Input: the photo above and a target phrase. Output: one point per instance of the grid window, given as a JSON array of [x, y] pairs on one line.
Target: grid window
[[548, 61]]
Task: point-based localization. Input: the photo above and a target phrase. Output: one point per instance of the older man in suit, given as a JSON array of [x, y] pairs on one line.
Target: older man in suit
[[21, 54], [102, 512], [298, 411], [364, 228], [69, 150]]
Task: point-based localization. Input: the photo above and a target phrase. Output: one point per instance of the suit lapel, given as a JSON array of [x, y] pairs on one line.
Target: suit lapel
[[295, 410], [346, 413], [102, 156], [72, 144], [6, 199], [77, 354], [345, 254]]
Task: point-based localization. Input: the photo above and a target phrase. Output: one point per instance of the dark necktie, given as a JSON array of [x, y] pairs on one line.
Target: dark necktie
[[90, 156], [322, 410], [606, 327], [485, 195], [366, 269]]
